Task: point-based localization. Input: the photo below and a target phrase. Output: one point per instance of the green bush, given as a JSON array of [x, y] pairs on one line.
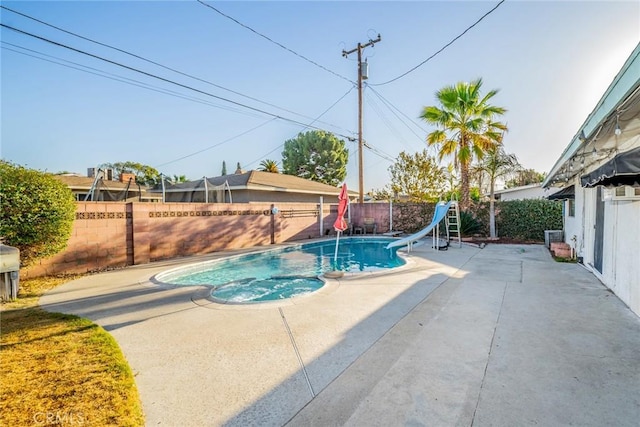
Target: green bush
[[469, 224], [411, 217], [480, 211], [515, 219], [528, 219], [36, 212]]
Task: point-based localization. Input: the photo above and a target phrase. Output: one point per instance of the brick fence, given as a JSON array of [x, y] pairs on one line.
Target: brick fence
[[113, 234]]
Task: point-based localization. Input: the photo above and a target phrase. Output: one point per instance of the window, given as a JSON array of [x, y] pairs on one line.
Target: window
[[571, 207], [623, 192]]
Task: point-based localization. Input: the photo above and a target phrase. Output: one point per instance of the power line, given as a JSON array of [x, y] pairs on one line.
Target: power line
[[161, 65], [161, 78], [143, 85], [321, 114], [216, 145], [393, 109], [121, 79], [385, 119], [443, 47], [379, 153], [274, 42]]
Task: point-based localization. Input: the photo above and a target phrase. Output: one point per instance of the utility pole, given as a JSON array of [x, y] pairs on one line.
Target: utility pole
[[362, 75]]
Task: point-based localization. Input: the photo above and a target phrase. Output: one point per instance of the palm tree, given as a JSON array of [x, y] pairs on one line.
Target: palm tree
[[269, 166], [465, 127], [496, 164], [179, 178]]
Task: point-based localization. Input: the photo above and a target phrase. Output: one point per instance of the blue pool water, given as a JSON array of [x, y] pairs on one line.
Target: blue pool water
[[283, 273]]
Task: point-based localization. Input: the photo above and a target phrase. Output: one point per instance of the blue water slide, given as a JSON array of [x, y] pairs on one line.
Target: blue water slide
[[441, 210]]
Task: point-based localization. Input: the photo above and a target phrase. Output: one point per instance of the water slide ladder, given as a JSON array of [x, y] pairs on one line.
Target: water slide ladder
[[453, 223]]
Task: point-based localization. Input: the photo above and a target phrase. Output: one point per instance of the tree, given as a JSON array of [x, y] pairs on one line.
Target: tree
[[451, 177], [465, 127], [36, 212], [224, 167], [179, 178], [269, 166], [525, 177], [496, 164], [418, 176], [145, 175], [381, 194], [316, 155]]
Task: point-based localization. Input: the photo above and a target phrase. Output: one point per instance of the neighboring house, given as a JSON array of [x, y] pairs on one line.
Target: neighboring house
[[531, 191], [104, 188], [251, 186], [600, 173]]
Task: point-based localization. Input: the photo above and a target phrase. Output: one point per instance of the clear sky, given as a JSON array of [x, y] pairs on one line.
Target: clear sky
[[551, 61]]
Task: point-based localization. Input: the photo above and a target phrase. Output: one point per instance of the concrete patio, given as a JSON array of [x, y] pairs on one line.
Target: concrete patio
[[500, 336]]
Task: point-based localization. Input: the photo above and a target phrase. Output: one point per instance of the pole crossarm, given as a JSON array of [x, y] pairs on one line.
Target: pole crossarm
[[346, 53]]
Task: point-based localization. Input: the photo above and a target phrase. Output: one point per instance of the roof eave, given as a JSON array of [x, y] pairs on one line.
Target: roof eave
[[625, 83]]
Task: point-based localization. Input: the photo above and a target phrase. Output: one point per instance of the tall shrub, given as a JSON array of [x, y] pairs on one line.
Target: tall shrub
[[411, 217], [528, 219], [36, 212]]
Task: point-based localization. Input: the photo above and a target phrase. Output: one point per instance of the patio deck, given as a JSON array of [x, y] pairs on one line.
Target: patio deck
[[498, 336]]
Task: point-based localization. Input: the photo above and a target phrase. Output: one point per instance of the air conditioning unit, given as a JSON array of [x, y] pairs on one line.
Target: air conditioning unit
[[551, 236]]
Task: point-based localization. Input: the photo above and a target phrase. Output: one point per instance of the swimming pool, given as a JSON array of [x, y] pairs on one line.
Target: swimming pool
[[286, 272]]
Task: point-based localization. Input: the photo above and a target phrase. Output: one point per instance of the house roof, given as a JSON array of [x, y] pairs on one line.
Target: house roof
[[611, 125], [261, 181], [76, 182], [521, 188], [84, 184]]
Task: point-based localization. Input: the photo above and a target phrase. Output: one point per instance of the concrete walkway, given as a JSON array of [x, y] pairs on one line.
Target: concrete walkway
[[501, 336]]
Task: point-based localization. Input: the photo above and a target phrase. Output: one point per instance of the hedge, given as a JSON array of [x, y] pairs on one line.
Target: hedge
[[528, 219], [524, 220]]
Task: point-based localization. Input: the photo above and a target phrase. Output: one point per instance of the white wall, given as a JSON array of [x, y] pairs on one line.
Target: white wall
[[624, 252], [527, 192], [573, 226], [621, 248]]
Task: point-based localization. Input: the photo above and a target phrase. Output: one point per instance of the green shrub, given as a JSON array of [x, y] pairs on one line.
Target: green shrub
[[528, 219], [515, 219], [411, 217], [480, 211], [469, 224], [36, 212]]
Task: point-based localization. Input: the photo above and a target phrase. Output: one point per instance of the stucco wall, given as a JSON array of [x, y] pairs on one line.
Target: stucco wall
[[573, 226], [621, 250], [114, 234], [620, 266]]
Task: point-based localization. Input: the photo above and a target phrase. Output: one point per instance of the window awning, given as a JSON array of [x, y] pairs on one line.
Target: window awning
[[623, 169], [564, 194]]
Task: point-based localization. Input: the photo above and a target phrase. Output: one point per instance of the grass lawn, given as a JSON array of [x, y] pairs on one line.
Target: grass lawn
[[61, 369]]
